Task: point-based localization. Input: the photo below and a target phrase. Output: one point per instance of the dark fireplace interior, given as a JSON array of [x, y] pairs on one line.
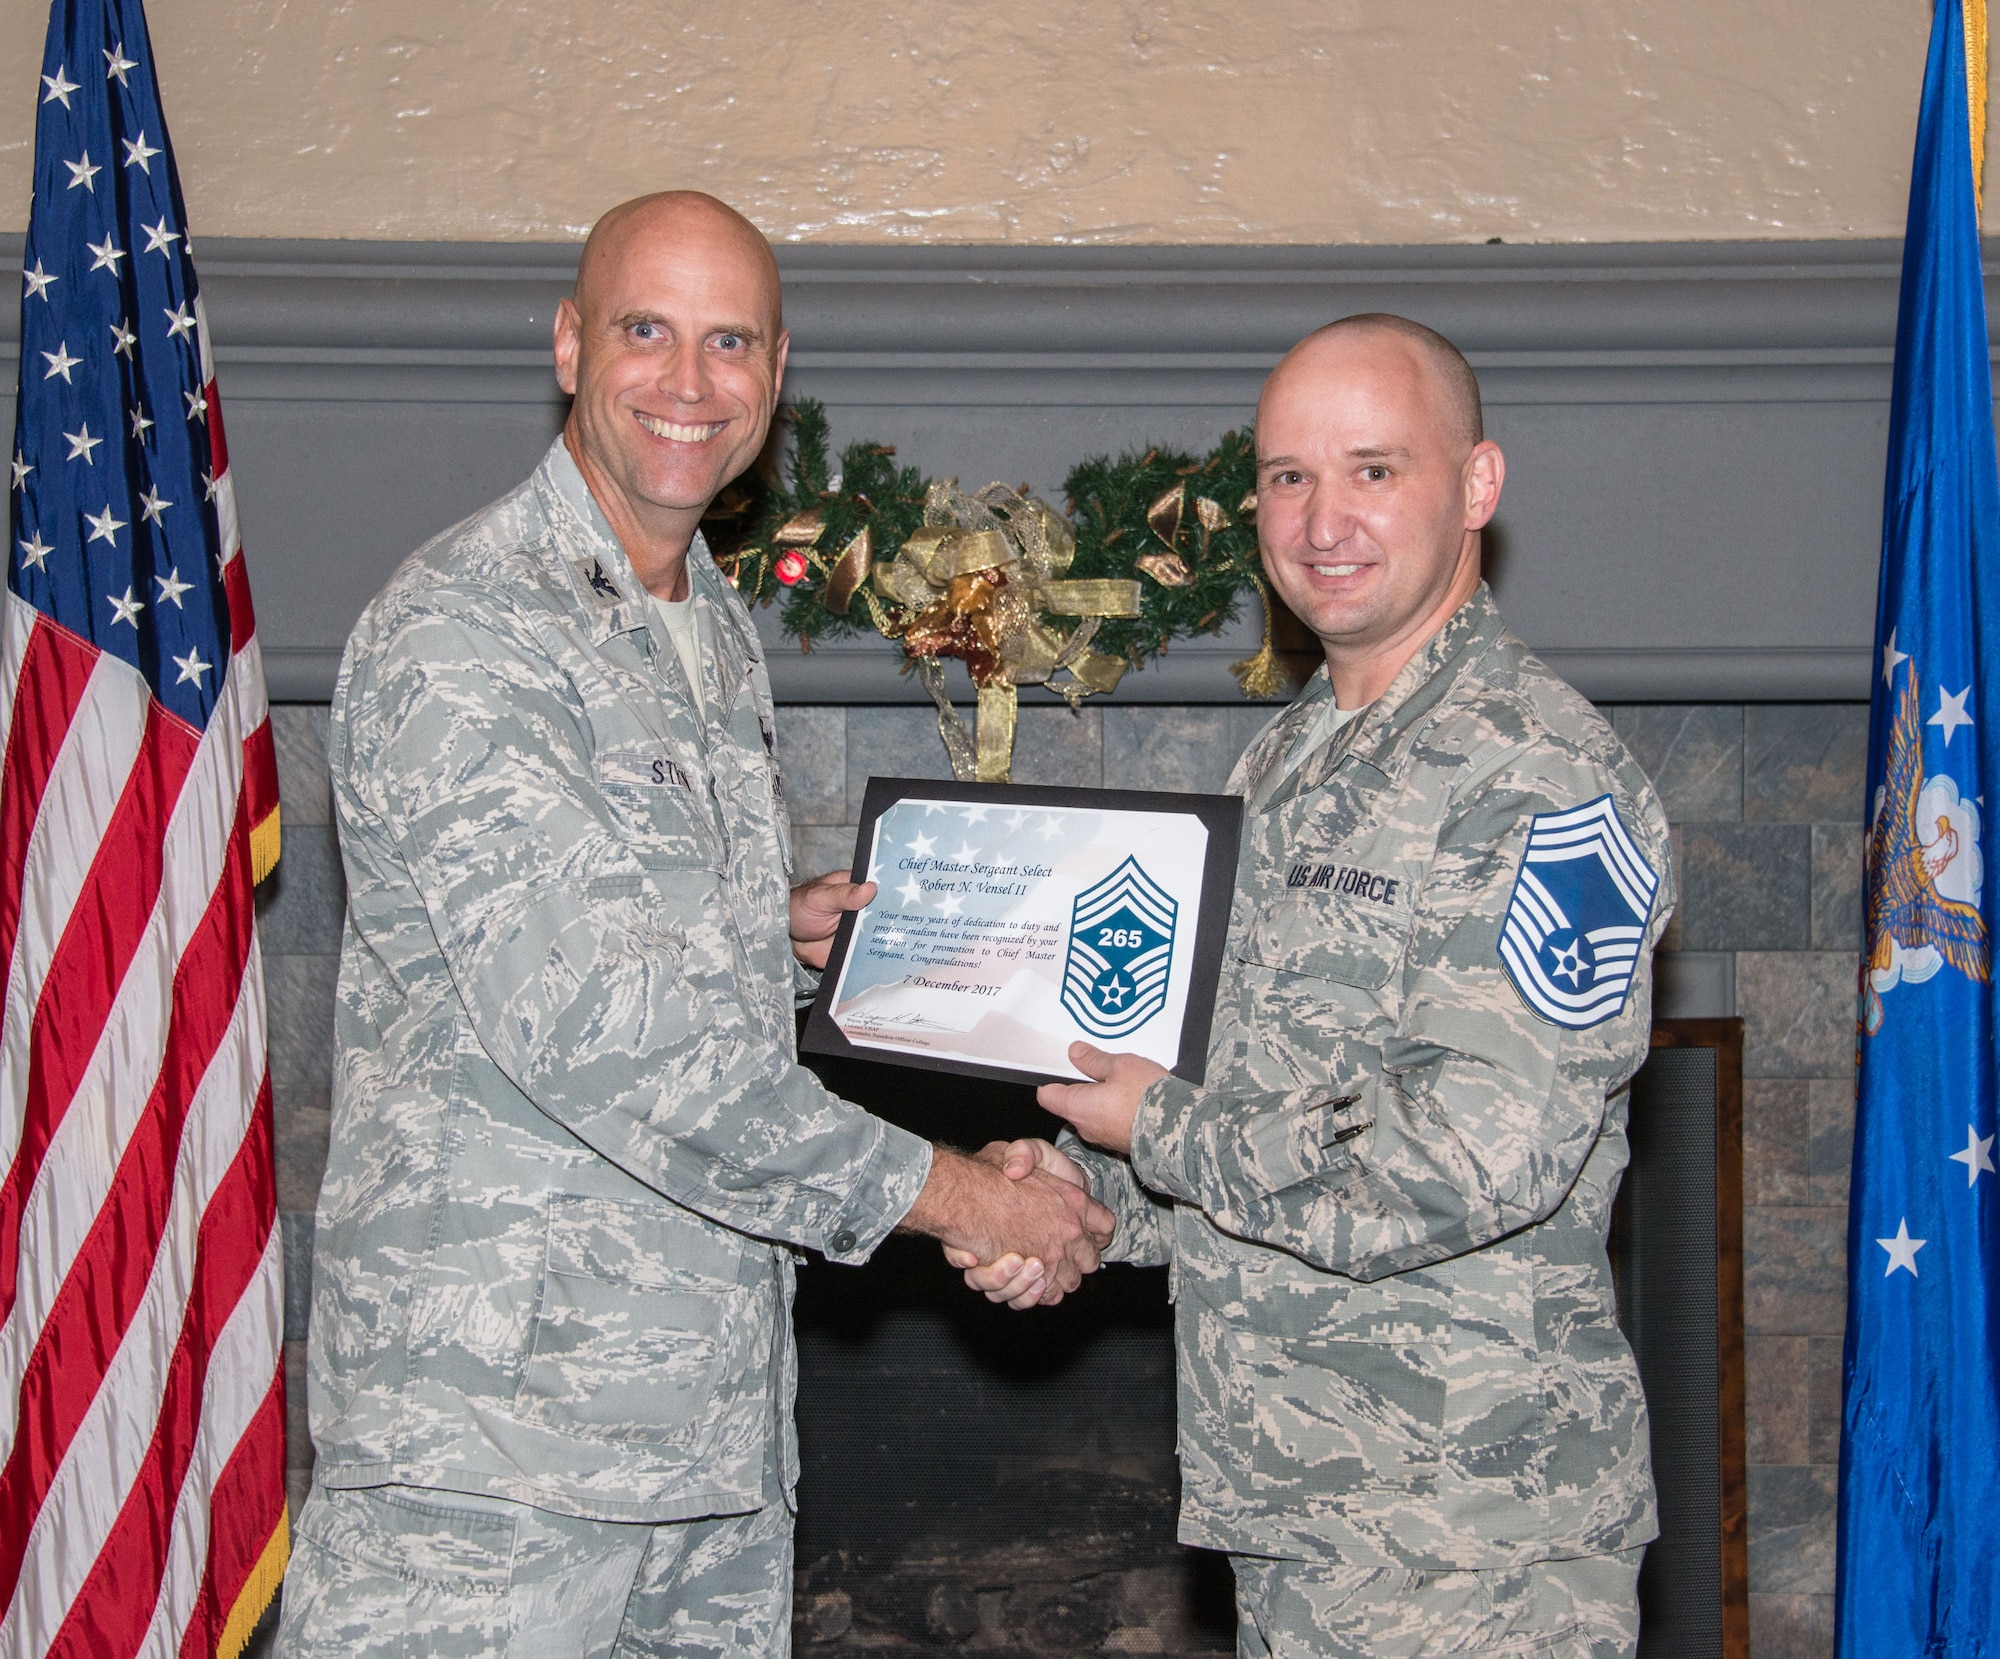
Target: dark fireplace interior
[[981, 1478]]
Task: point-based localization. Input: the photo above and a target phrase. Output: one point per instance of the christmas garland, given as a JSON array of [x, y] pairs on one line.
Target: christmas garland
[[1156, 547]]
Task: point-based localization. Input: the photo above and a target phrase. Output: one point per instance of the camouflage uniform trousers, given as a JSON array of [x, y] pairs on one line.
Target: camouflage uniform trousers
[[395, 1572], [1583, 1608]]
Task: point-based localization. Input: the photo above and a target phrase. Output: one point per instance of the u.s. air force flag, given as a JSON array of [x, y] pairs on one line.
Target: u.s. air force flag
[[1919, 1499]]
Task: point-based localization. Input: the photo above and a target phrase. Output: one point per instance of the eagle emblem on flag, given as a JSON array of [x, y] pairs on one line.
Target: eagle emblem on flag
[[1924, 874], [1574, 927], [1121, 948]]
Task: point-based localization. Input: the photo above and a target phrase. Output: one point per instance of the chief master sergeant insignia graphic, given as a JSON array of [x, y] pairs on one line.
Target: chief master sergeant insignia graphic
[[1578, 916], [1924, 874], [1121, 946]]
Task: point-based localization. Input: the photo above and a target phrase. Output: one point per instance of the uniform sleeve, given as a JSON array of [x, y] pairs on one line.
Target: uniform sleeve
[[606, 988], [1480, 1113], [1142, 1238]]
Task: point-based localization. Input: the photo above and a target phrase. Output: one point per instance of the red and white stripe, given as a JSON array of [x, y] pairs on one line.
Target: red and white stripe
[[141, 1290]]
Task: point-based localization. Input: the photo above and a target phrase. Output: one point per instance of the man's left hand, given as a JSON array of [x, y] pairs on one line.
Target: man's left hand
[[1102, 1111], [817, 907]]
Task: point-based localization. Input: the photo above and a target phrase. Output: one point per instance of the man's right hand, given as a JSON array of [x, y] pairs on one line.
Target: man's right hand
[[1017, 1281], [984, 1211]]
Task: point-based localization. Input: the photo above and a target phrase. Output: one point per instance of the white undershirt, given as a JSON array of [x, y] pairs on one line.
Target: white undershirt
[[684, 629], [1323, 725]]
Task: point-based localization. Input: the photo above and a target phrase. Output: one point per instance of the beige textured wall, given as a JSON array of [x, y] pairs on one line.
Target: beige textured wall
[[1034, 121]]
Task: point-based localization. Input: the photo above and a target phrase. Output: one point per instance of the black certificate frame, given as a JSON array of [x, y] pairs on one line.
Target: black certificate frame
[[1220, 815]]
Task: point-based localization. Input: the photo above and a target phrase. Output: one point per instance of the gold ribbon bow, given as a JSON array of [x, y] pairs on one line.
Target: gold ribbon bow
[[982, 581]]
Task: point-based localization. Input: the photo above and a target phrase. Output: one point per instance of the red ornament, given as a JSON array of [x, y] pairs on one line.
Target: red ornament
[[791, 568]]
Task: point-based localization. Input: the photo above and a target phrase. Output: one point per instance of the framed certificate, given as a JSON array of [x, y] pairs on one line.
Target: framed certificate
[[1011, 921]]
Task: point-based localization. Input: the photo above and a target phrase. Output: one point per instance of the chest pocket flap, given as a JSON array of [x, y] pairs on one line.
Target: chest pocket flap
[[657, 802], [1333, 921]]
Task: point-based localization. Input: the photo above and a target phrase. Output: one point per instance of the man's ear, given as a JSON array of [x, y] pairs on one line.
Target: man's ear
[[784, 351], [1485, 473], [568, 337]]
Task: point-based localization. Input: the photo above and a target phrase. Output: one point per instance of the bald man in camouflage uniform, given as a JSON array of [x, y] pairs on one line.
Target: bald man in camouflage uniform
[[1407, 1410], [551, 1365]]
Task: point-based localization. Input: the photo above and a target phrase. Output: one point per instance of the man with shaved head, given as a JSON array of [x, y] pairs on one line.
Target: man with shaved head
[[1406, 1408], [550, 1372]]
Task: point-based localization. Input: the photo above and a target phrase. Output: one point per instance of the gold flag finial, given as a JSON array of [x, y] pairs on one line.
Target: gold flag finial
[[1975, 94]]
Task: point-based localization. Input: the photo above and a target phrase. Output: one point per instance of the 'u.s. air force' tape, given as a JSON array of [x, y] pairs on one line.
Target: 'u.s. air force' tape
[[1577, 921]]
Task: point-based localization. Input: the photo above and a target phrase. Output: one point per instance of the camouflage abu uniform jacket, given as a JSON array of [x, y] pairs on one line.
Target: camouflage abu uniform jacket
[[1394, 1310], [571, 1142]]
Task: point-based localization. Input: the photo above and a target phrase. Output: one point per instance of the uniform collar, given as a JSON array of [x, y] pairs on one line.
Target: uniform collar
[[1382, 736], [593, 565], [609, 597]]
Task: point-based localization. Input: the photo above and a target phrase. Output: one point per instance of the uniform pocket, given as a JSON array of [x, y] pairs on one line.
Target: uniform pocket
[[658, 805], [639, 1310], [1347, 1394], [1320, 937]]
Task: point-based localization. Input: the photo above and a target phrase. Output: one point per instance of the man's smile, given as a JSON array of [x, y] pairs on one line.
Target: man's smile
[[675, 432]]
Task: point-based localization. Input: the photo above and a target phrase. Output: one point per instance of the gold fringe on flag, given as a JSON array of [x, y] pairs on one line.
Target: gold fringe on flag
[[265, 1577], [1975, 94], [264, 840]]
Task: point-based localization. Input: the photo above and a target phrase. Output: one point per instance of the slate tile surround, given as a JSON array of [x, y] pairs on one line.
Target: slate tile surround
[[1767, 806]]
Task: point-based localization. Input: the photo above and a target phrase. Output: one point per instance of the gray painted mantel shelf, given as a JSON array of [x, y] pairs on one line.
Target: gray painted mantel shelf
[[1694, 432]]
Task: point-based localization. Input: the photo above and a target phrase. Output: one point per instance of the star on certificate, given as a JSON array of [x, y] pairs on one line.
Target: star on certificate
[[1977, 1156], [1902, 1249], [966, 850], [975, 814], [1052, 826], [911, 891], [932, 806], [921, 846], [1014, 823], [948, 905]]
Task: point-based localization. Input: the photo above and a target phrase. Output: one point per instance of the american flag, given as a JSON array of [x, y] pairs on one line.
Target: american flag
[[142, 1403]]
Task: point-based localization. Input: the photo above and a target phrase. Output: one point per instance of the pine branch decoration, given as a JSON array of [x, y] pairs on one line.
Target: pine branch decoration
[[1178, 525]]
